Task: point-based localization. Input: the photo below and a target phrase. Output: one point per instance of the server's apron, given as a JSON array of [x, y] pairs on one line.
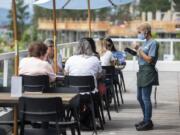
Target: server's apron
[[147, 75]]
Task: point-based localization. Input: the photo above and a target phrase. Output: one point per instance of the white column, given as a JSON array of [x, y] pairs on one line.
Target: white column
[[120, 46], [68, 52], [143, 16], [158, 15], [149, 16], [134, 63], [172, 49]]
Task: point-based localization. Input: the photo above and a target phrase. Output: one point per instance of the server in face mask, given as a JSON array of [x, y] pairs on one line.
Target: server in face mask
[[147, 75]]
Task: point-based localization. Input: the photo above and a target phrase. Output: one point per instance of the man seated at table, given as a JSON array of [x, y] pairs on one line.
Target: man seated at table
[[50, 55], [35, 64]]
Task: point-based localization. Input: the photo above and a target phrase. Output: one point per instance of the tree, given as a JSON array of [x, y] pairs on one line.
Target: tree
[[177, 5], [103, 13], [154, 5], [122, 14], [22, 17]]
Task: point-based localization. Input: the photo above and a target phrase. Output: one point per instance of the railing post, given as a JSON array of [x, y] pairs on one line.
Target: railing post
[[134, 63], [63, 52], [120, 46], [5, 73], [171, 48], [73, 50], [68, 52]]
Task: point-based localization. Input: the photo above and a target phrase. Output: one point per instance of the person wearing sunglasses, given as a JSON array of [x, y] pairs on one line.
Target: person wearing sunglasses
[[50, 54]]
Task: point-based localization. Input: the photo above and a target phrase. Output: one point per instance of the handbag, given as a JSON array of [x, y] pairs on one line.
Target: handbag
[[102, 88]]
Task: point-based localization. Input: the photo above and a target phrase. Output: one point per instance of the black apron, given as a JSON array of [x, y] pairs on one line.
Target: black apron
[[147, 75]]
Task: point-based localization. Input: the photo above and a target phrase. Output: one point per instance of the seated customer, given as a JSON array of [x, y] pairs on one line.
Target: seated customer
[[106, 58], [93, 46], [118, 55], [50, 55], [35, 64], [83, 63]]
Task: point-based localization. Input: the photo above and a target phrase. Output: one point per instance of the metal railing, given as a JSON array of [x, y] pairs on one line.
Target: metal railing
[[167, 46]]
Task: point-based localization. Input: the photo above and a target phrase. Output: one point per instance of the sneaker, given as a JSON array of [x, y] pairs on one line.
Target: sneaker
[[145, 127], [138, 124]]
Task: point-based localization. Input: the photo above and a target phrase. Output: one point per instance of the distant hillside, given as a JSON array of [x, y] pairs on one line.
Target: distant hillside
[[3, 17]]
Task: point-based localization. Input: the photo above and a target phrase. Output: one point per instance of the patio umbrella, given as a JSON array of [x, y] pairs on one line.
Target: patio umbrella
[[76, 5], [81, 5], [15, 37], [55, 37], [53, 6]]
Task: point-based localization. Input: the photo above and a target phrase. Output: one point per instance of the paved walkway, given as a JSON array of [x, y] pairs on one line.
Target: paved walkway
[[166, 116]]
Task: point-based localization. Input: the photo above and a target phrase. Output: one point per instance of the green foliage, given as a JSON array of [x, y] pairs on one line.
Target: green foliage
[[26, 38], [178, 35], [177, 5], [5, 46], [154, 5], [103, 13], [176, 51], [154, 35], [123, 13], [22, 16]]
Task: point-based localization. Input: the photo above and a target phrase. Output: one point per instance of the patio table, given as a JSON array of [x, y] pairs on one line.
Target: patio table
[[7, 100]]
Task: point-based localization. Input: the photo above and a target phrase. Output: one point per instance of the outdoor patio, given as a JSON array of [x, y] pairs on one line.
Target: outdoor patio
[[166, 116]]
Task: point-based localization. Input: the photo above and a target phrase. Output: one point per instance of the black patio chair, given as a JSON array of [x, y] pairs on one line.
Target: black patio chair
[[87, 84], [35, 83], [8, 121], [44, 110], [5, 89], [109, 78], [72, 108], [2, 131], [121, 81]]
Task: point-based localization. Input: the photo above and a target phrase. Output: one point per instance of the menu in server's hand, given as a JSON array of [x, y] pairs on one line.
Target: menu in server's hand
[[131, 51]]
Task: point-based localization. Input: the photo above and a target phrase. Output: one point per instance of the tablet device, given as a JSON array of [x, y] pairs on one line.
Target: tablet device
[[130, 51]]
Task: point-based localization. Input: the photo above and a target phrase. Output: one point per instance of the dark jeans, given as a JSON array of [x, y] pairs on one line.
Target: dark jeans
[[144, 98]]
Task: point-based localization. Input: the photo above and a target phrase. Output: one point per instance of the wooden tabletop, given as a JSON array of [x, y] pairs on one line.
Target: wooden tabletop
[[7, 98]]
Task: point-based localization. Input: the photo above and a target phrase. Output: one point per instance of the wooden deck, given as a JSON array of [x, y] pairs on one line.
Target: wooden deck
[[166, 116]]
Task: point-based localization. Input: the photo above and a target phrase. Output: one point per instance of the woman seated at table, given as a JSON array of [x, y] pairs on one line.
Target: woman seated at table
[[93, 46], [119, 56], [106, 58], [35, 64], [83, 62]]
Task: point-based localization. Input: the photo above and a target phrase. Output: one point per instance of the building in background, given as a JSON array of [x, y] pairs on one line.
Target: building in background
[[164, 25]]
